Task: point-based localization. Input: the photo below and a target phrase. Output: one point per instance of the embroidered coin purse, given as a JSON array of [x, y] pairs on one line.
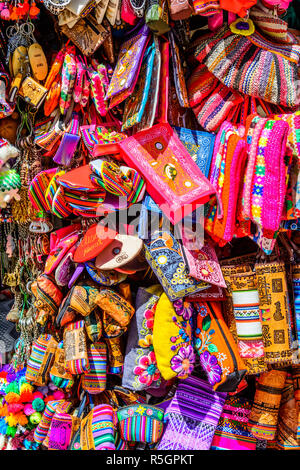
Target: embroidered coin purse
[[164, 254], [128, 65]]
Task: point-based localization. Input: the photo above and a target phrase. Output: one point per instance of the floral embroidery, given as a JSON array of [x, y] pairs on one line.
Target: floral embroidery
[[183, 309], [211, 366], [149, 315], [147, 369], [210, 358], [146, 342], [183, 362]]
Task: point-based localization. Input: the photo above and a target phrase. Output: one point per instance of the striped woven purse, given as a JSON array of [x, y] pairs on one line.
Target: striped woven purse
[[94, 381], [41, 359], [141, 423], [97, 429]]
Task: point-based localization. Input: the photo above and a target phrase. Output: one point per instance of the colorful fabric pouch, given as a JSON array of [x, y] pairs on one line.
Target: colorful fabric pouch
[[247, 315], [58, 373], [200, 146], [264, 414], [274, 307], [172, 338], [65, 269], [136, 102], [118, 180], [41, 359], [178, 73], [48, 297], [140, 423], [151, 107], [175, 183], [203, 265], [104, 136], [82, 196], [76, 357], [192, 416], [226, 176], [94, 381], [93, 326], [140, 367], [232, 432], [226, 56], [287, 427], [105, 278], [270, 24], [180, 10], [41, 431], [57, 254], [112, 332], [164, 254], [66, 314], [296, 292], [201, 84], [62, 429], [97, 429], [83, 299], [217, 349], [52, 188], [115, 306], [128, 66], [212, 112], [204, 8], [157, 17], [60, 207], [38, 187]]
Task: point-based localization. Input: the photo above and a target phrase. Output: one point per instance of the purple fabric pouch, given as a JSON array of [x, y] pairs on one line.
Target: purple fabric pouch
[[66, 149], [129, 63], [192, 416]]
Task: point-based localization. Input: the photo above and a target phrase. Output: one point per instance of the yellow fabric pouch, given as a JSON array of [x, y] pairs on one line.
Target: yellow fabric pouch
[[172, 338]]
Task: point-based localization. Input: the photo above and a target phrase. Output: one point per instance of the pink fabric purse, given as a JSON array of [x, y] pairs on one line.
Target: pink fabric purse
[[175, 184]]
